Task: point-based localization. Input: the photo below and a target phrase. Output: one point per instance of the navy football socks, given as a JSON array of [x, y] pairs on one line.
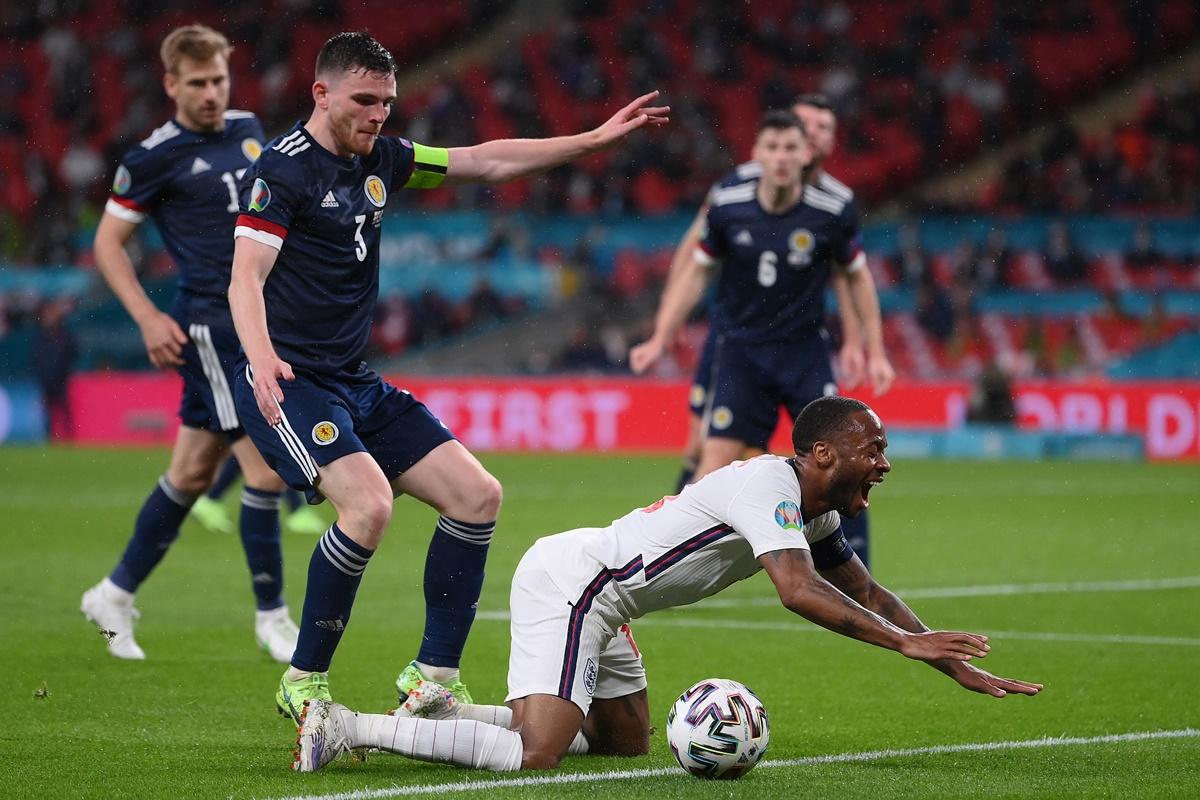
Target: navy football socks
[[156, 527], [260, 538], [334, 573], [454, 568]]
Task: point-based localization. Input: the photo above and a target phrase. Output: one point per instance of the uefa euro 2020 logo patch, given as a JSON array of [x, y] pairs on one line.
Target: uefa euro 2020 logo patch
[[325, 432], [787, 515], [260, 195], [122, 180], [251, 149], [375, 191]]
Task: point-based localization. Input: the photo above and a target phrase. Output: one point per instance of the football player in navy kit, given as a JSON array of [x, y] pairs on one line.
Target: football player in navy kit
[[304, 286], [185, 177], [767, 347]]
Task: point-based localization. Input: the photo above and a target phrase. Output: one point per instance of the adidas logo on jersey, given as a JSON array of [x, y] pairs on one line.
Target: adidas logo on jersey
[[200, 165], [329, 201], [744, 238]]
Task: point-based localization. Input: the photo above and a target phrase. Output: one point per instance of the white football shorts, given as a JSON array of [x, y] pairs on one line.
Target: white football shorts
[[562, 650]]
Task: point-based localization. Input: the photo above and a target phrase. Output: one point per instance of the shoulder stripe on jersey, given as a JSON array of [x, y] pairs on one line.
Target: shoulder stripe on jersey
[[748, 170], [734, 194], [293, 144], [579, 613], [235, 113], [682, 551], [161, 134], [124, 209], [836, 187], [823, 200]]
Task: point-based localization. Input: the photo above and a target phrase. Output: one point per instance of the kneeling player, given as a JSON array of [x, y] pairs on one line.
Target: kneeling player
[[575, 677]]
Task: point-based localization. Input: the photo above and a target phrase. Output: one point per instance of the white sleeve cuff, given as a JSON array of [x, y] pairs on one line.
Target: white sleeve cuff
[[858, 263], [123, 212], [703, 258], [269, 239]]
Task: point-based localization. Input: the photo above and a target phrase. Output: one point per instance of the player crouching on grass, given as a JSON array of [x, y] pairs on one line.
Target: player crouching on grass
[[575, 677]]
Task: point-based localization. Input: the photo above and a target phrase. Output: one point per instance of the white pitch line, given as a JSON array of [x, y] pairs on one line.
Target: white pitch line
[[810, 761]]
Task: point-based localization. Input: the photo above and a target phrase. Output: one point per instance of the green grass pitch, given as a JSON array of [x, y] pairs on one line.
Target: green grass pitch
[[1080, 559]]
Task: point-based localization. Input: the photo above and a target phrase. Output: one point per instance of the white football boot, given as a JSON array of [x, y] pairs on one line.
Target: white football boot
[[276, 633], [429, 700], [111, 609], [322, 736]]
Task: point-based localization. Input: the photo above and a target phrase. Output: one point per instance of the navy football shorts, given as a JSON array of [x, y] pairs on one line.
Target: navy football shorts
[[209, 361], [326, 418], [751, 381]]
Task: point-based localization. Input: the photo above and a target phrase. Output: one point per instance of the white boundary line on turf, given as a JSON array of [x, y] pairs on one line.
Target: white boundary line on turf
[[836, 758]]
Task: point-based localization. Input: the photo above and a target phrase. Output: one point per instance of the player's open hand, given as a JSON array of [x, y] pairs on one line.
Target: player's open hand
[[852, 366], [644, 355], [939, 645], [630, 118], [267, 393], [164, 340], [881, 374], [972, 677]]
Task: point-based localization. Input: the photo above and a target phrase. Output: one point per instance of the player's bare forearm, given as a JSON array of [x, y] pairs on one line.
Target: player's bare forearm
[[847, 312], [504, 160], [508, 159], [804, 592], [114, 264], [680, 296], [252, 263], [865, 299]]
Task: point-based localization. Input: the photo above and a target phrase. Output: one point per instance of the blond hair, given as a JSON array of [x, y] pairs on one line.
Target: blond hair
[[197, 42]]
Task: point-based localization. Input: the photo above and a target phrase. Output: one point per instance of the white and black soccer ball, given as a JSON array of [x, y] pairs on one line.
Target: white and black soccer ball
[[718, 729]]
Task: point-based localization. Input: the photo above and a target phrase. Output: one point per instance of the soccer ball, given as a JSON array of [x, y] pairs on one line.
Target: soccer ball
[[718, 729]]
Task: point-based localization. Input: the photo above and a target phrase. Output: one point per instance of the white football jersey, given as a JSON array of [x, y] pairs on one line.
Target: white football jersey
[[684, 548]]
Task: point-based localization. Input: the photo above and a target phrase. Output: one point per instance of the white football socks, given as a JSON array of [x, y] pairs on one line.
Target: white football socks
[[466, 742], [502, 716]]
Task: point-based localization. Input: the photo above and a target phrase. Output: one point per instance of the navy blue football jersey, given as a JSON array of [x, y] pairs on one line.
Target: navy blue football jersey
[[323, 214], [775, 267], [187, 182]]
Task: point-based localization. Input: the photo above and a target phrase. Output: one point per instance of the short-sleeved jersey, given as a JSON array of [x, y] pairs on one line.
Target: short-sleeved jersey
[[323, 213], [187, 182], [685, 548], [775, 267]]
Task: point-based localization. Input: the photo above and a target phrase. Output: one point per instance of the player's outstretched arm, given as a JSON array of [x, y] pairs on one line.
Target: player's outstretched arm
[[252, 263], [503, 160], [854, 580], [161, 334], [806, 593], [865, 299]]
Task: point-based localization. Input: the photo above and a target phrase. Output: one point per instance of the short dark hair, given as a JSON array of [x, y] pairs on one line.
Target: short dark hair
[[779, 121], [814, 99], [822, 419], [352, 51]]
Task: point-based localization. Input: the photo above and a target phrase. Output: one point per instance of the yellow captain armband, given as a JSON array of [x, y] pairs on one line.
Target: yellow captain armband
[[429, 167]]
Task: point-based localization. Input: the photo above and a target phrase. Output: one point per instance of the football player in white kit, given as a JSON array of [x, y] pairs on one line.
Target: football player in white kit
[[575, 677]]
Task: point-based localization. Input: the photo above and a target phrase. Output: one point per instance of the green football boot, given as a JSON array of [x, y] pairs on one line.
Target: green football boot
[[289, 700], [212, 515], [411, 677]]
